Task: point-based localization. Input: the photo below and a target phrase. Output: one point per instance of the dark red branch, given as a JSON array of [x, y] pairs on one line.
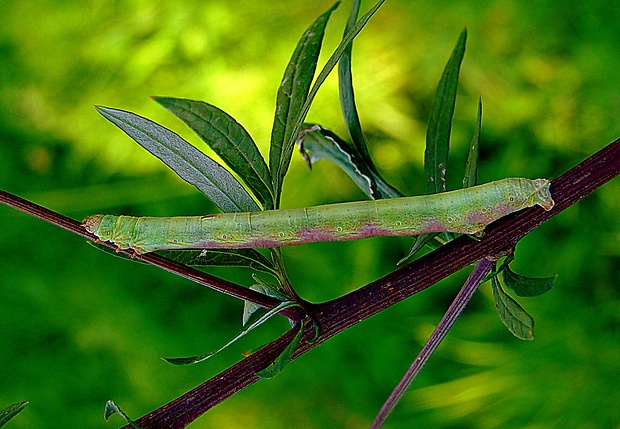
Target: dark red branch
[[197, 276], [342, 313]]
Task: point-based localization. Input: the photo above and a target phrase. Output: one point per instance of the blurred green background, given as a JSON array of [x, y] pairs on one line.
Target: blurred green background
[[78, 327]]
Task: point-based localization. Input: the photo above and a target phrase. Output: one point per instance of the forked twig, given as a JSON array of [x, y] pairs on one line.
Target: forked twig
[[340, 314]]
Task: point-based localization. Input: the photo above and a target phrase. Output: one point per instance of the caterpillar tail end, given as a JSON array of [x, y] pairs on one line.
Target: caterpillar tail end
[[92, 223]]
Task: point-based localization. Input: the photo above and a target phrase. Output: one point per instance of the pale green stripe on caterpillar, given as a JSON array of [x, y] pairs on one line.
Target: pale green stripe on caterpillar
[[463, 211]]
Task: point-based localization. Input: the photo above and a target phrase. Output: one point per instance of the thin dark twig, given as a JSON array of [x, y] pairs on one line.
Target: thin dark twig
[[454, 311], [342, 313], [189, 273]]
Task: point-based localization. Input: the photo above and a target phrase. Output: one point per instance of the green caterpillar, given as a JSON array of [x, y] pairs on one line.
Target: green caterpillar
[[464, 211]]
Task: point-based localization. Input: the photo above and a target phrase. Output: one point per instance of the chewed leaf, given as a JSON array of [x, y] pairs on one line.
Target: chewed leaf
[[111, 408], [291, 97], [193, 166], [512, 315], [317, 143], [527, 286], [277, 365], [200, 358], [248, 258], [440, 121], [11, 411], [471, 165], [228, 139]]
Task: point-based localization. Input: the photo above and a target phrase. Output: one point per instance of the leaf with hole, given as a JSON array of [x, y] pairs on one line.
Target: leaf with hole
[[316, 143]]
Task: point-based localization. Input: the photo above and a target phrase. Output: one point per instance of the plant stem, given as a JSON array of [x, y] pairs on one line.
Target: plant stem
[[189, 273], [454, 311], [340, 314]]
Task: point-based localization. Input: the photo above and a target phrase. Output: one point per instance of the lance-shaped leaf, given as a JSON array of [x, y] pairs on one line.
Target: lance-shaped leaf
[[193, 166], [440, 121], [329, 66], [527, 286], [247, 258], [512, 315], [278, 364], [196, 359], [11, 411], [347, 95], [317, 143], [228, 139], [291, 96], [430, 240], [331, 63], [471, 165]]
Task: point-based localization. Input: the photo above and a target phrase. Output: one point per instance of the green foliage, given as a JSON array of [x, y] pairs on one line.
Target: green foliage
[[512, 315], [111, 408], [543, 71], [11, 411], [471, 165], [268, 315], [248, 258], [229, 140], [188, 162], [527, 286], [292, 95], [440, 121], [276, 366], [316, 143]]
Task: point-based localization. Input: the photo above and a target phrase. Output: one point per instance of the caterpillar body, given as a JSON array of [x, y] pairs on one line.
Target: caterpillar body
[[463, 211]]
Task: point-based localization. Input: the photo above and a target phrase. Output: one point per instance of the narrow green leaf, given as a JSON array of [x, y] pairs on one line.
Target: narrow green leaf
[[193, 166], [527, 286], [200, 358], [11, 411], [347, 95], [250, 308], [440, 121], [277, 365], [261, 286], [512, 315], [111, 408], [248, 258], [471, 165], [291, 96], [317, 143], [418, 244], [228, 139], [272, 290], [329, 66]]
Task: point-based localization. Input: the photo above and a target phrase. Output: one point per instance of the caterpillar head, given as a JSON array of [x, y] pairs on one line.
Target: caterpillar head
[[541, 194]]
